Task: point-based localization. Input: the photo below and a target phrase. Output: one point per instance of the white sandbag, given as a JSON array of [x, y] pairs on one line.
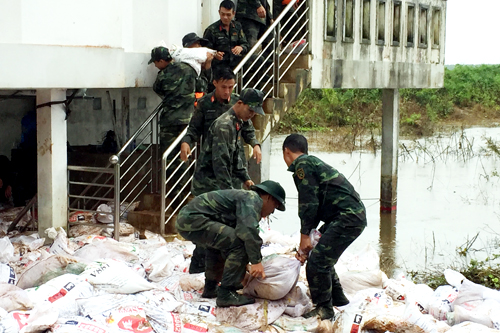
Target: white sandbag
[[420, 295], [78, 325], [470, 295], [129, 318], [104, 214], [47, 269], [41, 318], [113, 276], [62, 292], [205, 309], [192, 282], [32, 241], [468, 327], [158, 300], [441, 301], [108, 248], [7, 274], [365, 260], [194, 57], [426, 322], [14, 321], [354, 281], [282, 273], [395, 289], [487, 313], [60, 245], [297, 301], [351, 319], [98, 307], [6, 250], [160, 265], [253, 316], [297, 324], [454, 278], [14, 298]]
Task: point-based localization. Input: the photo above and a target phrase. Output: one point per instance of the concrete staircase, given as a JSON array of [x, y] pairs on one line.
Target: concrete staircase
[[298, 78], [295, 80]]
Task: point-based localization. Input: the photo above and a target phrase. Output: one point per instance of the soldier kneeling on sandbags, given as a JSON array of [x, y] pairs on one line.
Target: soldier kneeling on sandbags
[[227, 223]]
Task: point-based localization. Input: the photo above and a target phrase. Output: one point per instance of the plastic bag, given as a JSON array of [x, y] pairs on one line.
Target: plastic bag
[[297, 301], [104, 214], [354, 281], [160, 265], [282, 273], [441, 301]]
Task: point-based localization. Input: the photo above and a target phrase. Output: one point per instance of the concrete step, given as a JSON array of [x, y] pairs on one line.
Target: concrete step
[[150, 220], [150, 201]]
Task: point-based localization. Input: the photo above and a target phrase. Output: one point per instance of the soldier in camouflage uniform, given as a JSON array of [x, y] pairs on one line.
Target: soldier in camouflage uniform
[[227, 223], [324, 195], [209, 108], [254, 16], [175, 84], [190, 41], [220, 160], [227, 37]]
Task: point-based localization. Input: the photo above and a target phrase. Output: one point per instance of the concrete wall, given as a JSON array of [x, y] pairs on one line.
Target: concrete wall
[[87, 125], [356, 62], [88, 44]]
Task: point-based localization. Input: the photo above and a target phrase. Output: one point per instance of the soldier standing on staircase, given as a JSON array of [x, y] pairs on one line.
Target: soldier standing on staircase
[[209, 108], [175, 84], [220, 161], [324, 195], [227, 223]]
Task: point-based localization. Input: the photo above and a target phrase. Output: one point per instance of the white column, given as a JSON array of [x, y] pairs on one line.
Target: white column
[[52, 160], [390, 142]]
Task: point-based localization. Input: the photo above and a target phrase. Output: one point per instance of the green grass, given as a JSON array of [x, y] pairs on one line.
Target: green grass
[[464, 87]]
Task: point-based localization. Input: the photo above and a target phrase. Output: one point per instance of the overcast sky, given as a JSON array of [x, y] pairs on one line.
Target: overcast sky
[[472, 31]]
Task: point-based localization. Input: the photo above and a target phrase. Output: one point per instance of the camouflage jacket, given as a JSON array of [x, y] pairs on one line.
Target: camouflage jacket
[[238, 209], [176, 84], [220, 159], [324, 195], [221, 40], [248, 9], [209, 109]]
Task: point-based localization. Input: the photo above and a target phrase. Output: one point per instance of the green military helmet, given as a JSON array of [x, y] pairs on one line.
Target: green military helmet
[[254, 98], [158, 53], [274, 189]]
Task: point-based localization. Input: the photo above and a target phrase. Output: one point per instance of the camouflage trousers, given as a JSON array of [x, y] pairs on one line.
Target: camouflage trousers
[[321, 276], [226, 258], [168, 134]]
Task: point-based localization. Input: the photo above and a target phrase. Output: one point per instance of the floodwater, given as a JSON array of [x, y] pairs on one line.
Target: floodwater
[[448, 193]]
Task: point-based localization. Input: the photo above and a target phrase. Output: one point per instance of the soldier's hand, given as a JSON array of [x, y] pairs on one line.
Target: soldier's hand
[[219, 55], [185, 151], [248, 183], [305, 244], [301, 257], [257, 154], [237, 50], [261, 11], [210, 56], [257, 270]]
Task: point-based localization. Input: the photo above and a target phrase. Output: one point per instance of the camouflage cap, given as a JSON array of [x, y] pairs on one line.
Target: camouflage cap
[[274, 189], [254, 98], [158, 53], [192, 38]]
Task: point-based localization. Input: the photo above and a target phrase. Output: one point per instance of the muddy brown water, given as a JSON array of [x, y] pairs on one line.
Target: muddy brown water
[[448, 192]]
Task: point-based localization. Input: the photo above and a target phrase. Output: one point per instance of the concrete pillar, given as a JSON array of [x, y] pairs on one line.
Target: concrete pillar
[[390, 142], [387, 243], [52, 160], [261, 172]]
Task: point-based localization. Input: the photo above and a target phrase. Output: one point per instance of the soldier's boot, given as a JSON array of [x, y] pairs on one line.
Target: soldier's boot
[[226, 297], [323, 311], [210, 290], [338, 297]]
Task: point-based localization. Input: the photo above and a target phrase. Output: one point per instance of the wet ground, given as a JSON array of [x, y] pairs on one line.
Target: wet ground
[[448, 192]]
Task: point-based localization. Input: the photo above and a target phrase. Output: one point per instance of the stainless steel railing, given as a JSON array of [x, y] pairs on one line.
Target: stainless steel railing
[[131, 172], [256, 69], [177, 181]]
